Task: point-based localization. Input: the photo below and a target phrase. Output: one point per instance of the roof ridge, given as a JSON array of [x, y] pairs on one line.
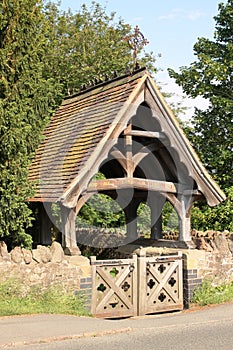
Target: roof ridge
[[104, 83]]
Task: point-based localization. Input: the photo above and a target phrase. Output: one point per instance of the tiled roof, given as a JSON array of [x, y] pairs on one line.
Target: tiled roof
[[74, 132], [88, 124]]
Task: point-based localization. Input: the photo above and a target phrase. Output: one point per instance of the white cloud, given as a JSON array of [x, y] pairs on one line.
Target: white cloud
[[194, 15], [179, 13], [137, 19], [171, 15]]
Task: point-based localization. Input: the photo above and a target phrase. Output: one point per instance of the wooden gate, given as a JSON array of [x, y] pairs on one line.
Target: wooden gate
[[114, 287], [160, 283], [137, 286]]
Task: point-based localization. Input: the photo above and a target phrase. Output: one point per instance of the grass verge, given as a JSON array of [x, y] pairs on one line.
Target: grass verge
[[208, 294], [15, 299]]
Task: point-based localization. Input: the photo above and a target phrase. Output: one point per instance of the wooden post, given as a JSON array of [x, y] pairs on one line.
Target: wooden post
[[93, 275], [131, 220], [156, 229], [156, 203], [142, 282], [45, 224], [69, 241], [185, 219], [129, 153]]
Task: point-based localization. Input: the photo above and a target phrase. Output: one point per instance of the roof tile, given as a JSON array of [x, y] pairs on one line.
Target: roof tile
[[74, 132]]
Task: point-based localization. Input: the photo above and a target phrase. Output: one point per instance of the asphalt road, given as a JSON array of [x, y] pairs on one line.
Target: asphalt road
[[206, 329]]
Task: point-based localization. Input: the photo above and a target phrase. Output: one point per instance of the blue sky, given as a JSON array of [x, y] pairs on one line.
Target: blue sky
[[171, 26]]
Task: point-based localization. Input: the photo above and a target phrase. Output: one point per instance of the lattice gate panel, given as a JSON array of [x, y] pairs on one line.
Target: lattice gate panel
[[114, 291], [161, 284]]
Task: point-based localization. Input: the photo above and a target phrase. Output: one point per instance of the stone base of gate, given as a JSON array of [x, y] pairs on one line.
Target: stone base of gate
[[159, 243]]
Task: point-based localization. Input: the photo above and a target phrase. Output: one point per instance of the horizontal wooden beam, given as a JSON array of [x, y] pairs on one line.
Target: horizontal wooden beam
[[130, 182], [141, 133]]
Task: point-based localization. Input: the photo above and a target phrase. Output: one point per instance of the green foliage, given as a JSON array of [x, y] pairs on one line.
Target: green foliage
[[26, 103], [87, 46], [144, 219], [44, 53], [169, 218], [208, 294], [16, 299], [101, 211], [211, 132], [218, 218]]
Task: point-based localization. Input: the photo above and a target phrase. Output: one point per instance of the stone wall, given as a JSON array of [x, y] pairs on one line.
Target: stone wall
[[46, 266], [212, 259]]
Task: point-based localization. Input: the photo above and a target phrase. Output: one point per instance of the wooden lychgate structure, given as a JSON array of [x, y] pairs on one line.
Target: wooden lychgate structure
[[124, 129]]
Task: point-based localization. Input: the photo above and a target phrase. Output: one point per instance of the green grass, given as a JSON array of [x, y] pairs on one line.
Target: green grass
[[15, 299], [207, 294]]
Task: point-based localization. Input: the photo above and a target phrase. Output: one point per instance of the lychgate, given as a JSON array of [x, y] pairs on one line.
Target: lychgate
[[123, 129]]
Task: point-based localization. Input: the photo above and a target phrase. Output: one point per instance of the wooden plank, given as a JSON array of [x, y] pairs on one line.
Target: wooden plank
[[129, 153], [142, 297], [142, 133], [94, 294], [137, 183], [180, 277]]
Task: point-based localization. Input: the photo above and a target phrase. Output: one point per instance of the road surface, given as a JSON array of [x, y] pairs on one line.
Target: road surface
[[206, 329]]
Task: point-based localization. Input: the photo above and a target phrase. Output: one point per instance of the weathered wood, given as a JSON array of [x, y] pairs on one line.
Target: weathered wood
[[137, 183], [142, 283], [137, 286], [129, 152], [160, 280], [182, 204], [120, 157], [185, 219], [68, 227], [131, 219], [142, 133], [156, 203], [83, 136], [82, 201], [144, 152], [114, 296], [114, 288], [85, 128], [102, 148]]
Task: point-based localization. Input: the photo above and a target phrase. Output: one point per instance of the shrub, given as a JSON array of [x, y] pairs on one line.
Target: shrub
[[208, 294]]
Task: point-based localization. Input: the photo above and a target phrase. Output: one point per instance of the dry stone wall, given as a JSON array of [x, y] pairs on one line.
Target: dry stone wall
[[211, 260], [46, 266], [215, 261]]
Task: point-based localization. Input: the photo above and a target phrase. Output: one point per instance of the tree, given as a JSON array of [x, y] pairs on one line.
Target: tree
[[46, 53], [27, 100], [87, 46], [211, 76]]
